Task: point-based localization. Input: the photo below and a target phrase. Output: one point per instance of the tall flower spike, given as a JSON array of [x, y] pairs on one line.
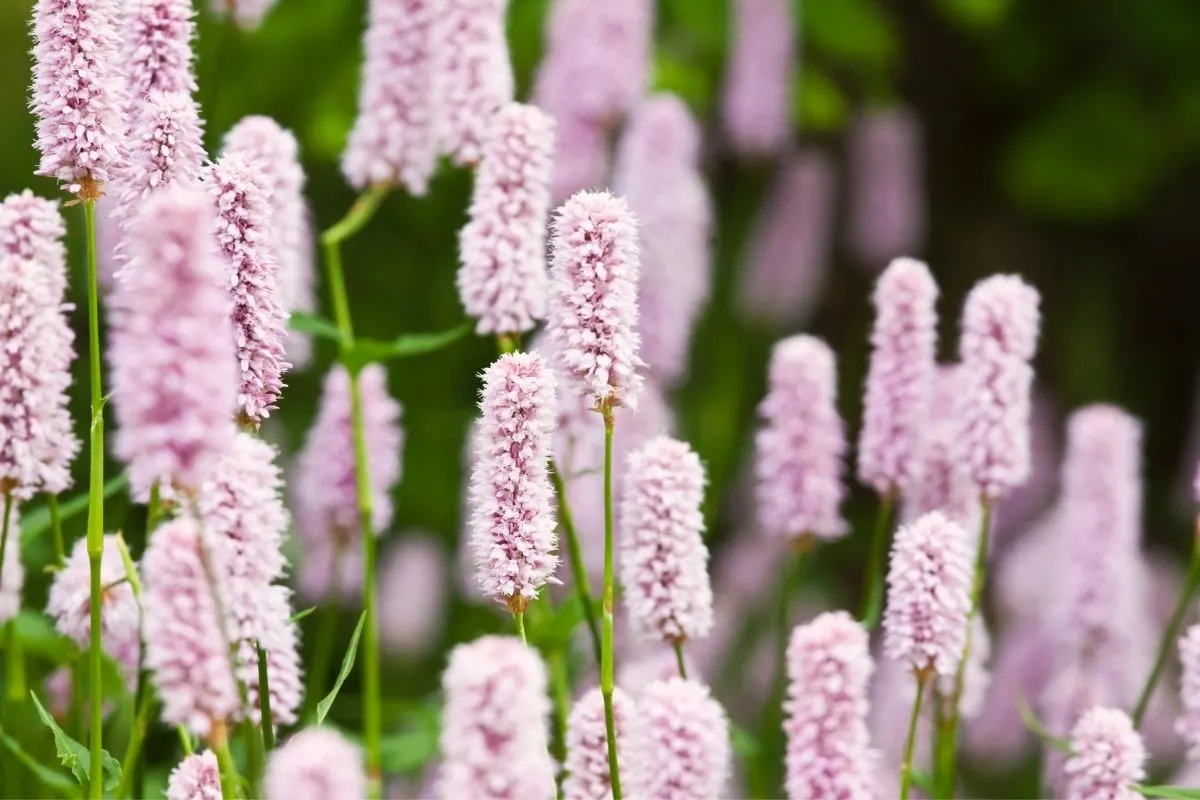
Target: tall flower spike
[[1188, 724], [248, 14], [593, 302], [664, 563], [828, 746], [12, 573], [185, 646], [929, 595], [316, 764], [502, 278], [1108, 757], [174, 374], [78, 92], [157, 49], [886, 194], [587, 770], [678, 743], [393, 140], [512, 520], [900, 379], [801, 444], [494, 723], [165, 149], [757, 102], [197, 777], [999, 336]]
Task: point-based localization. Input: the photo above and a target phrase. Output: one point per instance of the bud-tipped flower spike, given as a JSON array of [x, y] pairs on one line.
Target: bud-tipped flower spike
[[393, 140], [928, 596], [886, 190], [157, 49], [828, 745], [512, 521], [1107, 759], [316, 764], [587, 745], [1188, 724], [12, 573], [593, 302], [678, 744], [999, 336], [900, 380], [757, 103], [664, 563], [248, 14], [494, 723], [197, 777], [165, 149], [502, 279], [801, 444]]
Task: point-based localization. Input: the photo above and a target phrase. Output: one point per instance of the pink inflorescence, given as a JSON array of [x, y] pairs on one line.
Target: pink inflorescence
[[32, 229], [664, 563], [887, 200], [678, 744], [12, 573], [248, 14], [165, 149], [586, 765], [945, 484], [197, 777], [494, 722], [502, 279], [593, 301], [828, 746], [1107, 757], [174, 373], [316, 764], [412, 602], [393, 140], [929, 595], [157, 49], [801, 444], [900, 379], [1188, 724], [757, 101], [999, 337]]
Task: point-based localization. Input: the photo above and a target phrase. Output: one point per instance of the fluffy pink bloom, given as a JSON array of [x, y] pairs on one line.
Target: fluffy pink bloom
[[174, 375], [12, 573], [157, 49], [494, 723], [900, 379], [165, 149], [1189, 690], [587, 745], [581, 157], [1107, 757], [78, 91], [185, 647], [197, 777], [502, 249], [513, 521], [412, 602], [828, 746], [248, 14], [393, 140], [32, 229], [945, 484], [757, 101], [593, 303], [678, 744], [801, 444], [929, 595], [887, 194], [316, 764], [999, 336], [664, 563]]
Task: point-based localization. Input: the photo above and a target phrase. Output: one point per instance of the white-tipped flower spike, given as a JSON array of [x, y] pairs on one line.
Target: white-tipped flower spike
[[494, 723], [928, 595], [891, 447], [828, 746], [587, 770], [593, 301], [248, 14], [1188, 724], [801, 444], [502, 279], [472, 74], [512, 520], [886, 186], [12, 573], [412, 594], [157, 49], [316, 764], [1108, 757], [78, 92], [999, 336], [664, 563], [678, 744], [165, 149], [945, 484], [197, 777], [393, 140], [757, 100]]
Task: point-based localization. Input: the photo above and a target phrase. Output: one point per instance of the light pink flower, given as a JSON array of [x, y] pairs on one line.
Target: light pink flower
[[316, 764], [757, 99], [279, 637], [1023, 665], [197, 777], [945, 484], [157, 49], [32, 229], [248, 14], [887, 185], [1189, 690], [587, 745], [165, 149], [12, 573], [581, 157], [678, 744], [1107, 757], [412, 601], [331, 570]]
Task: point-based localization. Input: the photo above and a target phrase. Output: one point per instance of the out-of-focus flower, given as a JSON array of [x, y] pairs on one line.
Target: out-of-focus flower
[[757, 99], [945, 484], [197, 777], [587, 769], [248, 14], [316, 764], [1189, 692], [1108, 757], [412, 601], [887, 185], [678, 744], [12, 574], [165, 149]]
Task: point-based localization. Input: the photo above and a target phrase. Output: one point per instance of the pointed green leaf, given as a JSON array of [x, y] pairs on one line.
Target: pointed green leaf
[[36, 522], [51, 778], [314, 325], [368, 351], [75, 756], [299, 615], [1038, 729], [347, 665], [1170, 792]]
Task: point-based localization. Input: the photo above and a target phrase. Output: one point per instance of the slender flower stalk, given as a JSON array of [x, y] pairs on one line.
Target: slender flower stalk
[[910, 740], [95, 522]]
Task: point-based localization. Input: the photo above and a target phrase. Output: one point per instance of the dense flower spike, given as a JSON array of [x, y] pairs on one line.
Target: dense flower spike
[[197, 777], [157, 49], [1189, 690], [945, 484], [32, 229], [801, 444], [887, 202], [412, 602], [279, 637], [587, 745], [1108, 757], [757, 101], [900, 380], [165, 149], [929, 595], [248, 14], [12, 573], [664, 563], [174, 374], [78, 92], [593, 302], [678, 744], [494, 723], [185, 646], [999, 336], [316, 764], [828, 746], [393, 140], [502, 279]]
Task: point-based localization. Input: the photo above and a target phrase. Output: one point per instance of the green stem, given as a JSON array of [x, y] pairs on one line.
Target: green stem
[[1191, 584], [873, 598], [607, 672], [906, 765], [264, 700], [358, 216], [185, 740], [133, 751], [679, 659], [576, 553], [519, 619], [318, 677], [8, 506], [229, 773], [154, 510], [56, 531], [508, 344], [95, 523]]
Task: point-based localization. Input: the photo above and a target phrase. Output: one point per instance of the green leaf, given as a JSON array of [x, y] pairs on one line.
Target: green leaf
[[745, 745], [347, 665], [554, 630], [976, 15], [855, 32], [39, 638], [818, 102], [51, 778], [1175, 792], [75, 756], [35, 523], [368, 351], [414, 748], [315, 325], [299, 615]]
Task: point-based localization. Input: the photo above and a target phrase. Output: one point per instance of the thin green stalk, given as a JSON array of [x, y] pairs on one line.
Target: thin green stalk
[[508, 344], [1191, 584], [8, 506], [519, 619], [137, 736], [576, 554], [264, 699], [154, 510], [56, 531], [318, 676], [229, 774], [14, 660], [185, 740], [906, 765], [873, 598], [679, 659], [607, 672]]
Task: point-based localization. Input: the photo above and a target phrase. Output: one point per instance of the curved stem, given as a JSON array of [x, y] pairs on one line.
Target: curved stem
[[1169, 636], [872, 603], [906, 765], [576, 554], [607, 680], [95, 523], [519, 619]]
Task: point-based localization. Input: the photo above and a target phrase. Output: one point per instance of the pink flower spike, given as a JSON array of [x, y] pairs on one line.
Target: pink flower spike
[[248, 14], [1108, 757], [945, 484], [581, 158], [502, 279], [316, 764], [32, 230], [157, 49], [12, 573], [413, 593], [757, 101], [165, 149], [887, 192], [586, 765], [678, 744], [197, 777], [1188, 724]]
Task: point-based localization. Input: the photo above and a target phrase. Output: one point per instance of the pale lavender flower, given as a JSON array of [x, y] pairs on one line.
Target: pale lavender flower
[[316, 764], [279, 637], [493, 742], [197, 777], [412, 599], [1108, 757], [248, 14], [678, 744], [1189, 690], [12, 573], [393, 140], [1027, 502], [801, 444], [32, 229], [587, 745], [502, 279], [157, 49], [330, 570], [1022, 667], [165, 149], [887, 194], [581, 157], [757, 99], [945, 484]]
